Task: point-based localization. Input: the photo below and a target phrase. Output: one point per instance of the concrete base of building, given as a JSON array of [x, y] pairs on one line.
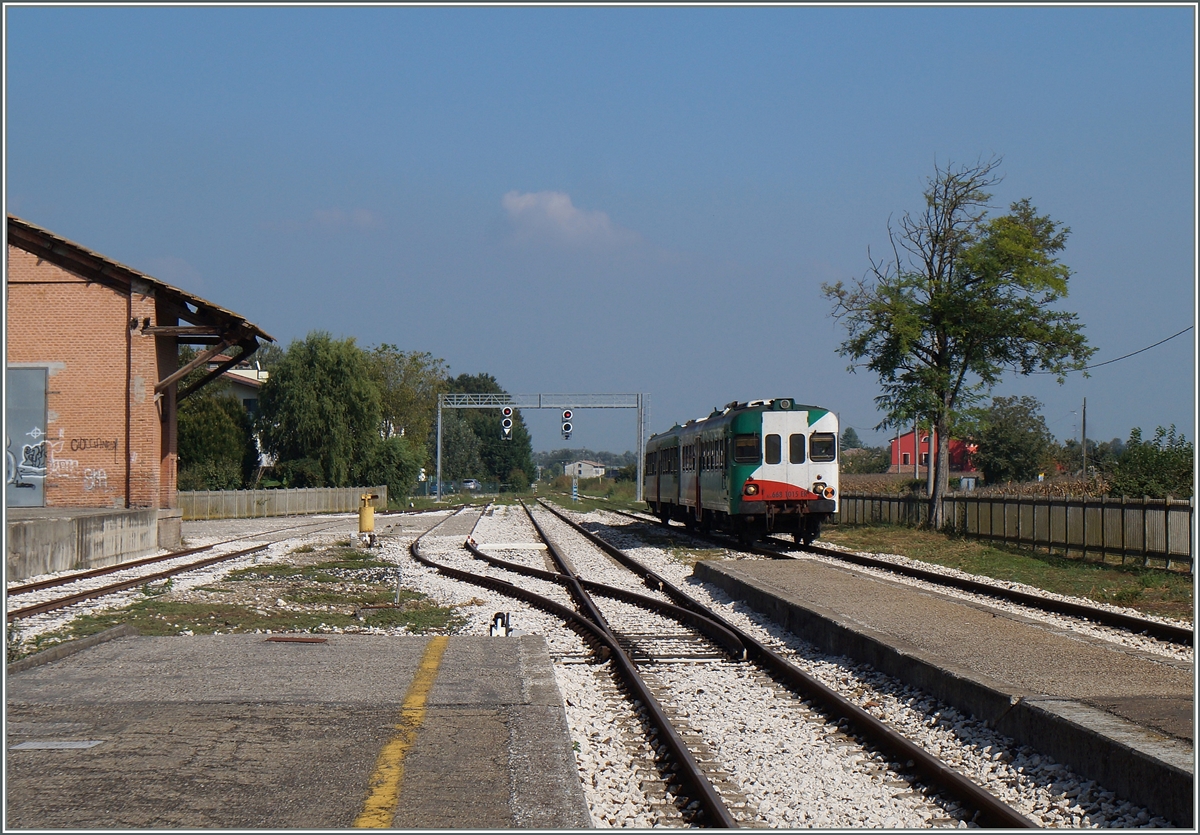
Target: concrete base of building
[[170, 528], [45, 539]]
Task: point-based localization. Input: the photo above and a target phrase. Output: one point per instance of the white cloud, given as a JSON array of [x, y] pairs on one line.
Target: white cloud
[[549, 216]]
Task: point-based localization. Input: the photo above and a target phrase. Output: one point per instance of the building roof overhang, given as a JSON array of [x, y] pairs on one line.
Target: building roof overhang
[[208, 323]]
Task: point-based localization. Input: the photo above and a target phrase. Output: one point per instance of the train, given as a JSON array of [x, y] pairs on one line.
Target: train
[[751, 469]]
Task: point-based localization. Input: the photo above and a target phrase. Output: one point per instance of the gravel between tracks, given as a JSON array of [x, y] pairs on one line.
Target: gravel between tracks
[[611, 763]]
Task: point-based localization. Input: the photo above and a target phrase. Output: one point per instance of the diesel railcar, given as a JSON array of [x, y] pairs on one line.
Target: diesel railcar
[[751, 469]]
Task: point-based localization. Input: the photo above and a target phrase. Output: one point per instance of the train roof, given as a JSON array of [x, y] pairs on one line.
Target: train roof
[[777, 404]]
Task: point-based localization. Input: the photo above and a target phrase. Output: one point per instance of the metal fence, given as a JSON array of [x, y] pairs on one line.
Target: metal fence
[[1145, 529], [247, 504]]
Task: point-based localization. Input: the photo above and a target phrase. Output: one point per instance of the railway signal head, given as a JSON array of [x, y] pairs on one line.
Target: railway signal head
[[506, 423], [566, 423]]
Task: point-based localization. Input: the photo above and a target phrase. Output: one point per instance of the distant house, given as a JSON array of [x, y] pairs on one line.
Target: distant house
[[909, 452], [584, 469], [243, 381]]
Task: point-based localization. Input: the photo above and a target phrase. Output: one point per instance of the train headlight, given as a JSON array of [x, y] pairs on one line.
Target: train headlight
[[827, 492], [819, 488], [750, 490]]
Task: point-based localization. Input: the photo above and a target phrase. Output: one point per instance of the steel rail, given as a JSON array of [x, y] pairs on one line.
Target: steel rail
[[108, 569], [709, 628], [992, 811], [121, 566], [704, 791], [63, 602], [1163, 631], [689, 773]]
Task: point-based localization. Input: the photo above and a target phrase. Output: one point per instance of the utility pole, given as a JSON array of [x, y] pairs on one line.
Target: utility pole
[[1085, 469], [916, 448]]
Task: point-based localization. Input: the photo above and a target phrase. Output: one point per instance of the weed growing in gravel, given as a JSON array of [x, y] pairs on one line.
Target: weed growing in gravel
[[329, 594]]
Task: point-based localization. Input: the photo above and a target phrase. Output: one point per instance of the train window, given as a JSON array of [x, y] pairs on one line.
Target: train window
[[796, 449], [774, 449], [746, 449], [651, 460], [823, 446]]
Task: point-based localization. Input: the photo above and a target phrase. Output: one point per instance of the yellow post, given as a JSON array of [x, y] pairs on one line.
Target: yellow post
[[366, 514]]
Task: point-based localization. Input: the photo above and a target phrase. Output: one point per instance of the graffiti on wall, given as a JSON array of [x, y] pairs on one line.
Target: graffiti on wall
[[43, 458], [32, 465]]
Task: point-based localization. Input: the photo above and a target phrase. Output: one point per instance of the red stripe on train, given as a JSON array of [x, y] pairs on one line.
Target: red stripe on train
[[777, 491]]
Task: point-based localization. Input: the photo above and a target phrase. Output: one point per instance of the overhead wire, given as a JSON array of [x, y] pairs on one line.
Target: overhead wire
[[1126, 356]]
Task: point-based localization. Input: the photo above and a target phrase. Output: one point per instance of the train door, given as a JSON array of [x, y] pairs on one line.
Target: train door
[[784, 453]]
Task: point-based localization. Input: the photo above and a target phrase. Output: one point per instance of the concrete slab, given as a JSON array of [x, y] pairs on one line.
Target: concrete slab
[[1116, 715], [233, 731]]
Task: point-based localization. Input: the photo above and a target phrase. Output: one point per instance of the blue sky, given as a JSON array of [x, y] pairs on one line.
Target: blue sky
[[616, 199]]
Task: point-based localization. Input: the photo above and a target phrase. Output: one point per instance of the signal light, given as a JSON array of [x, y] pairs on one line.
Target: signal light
[[506, 423], [566, 424]]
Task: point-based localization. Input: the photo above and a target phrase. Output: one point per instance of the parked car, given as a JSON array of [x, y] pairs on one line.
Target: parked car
[[470, 484]]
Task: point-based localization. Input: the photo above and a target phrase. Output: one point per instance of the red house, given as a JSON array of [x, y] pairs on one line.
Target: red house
[[906, 455]]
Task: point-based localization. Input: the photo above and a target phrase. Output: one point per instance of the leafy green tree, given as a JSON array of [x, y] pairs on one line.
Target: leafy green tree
[[409, 384], [1014, 443], [499, 457], [214, 435], [1158, 468], [321, 406], [865, 460], [460, 448], [215, 443], [964, 300], [850, 439]]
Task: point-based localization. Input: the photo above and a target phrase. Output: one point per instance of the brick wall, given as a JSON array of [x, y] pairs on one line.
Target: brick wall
[[106, 445]]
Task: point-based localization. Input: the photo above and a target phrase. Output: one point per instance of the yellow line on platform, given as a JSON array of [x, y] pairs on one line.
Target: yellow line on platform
[[380, 806]]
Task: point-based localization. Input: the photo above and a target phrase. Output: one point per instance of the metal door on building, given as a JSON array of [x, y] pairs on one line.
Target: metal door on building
[[25, 453]]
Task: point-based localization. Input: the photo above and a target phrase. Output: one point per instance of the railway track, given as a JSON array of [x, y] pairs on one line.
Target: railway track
[[137, 578], [1167, 632], [664, 631]]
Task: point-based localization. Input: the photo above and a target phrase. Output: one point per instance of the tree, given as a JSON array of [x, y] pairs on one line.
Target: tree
[[1014, 443], [215, 442], [1158, 468], [460, 447], [321, 405], [214, 435], [867, 460], [964, 300], [499, 457], [409, 384], [850, 439]]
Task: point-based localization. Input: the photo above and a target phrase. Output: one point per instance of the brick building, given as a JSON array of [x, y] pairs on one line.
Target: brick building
[[909, 453], [92, 376]]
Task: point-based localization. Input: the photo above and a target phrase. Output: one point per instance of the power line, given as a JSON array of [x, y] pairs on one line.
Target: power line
[[1126, 356]]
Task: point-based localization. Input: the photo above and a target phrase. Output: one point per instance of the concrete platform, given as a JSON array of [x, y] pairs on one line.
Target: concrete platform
[[40, 540], [238, 732], [1113, 714]]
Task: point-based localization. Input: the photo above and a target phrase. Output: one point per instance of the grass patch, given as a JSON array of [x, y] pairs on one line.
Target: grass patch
[[327, 595], [1152, 591], [155, 616]]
